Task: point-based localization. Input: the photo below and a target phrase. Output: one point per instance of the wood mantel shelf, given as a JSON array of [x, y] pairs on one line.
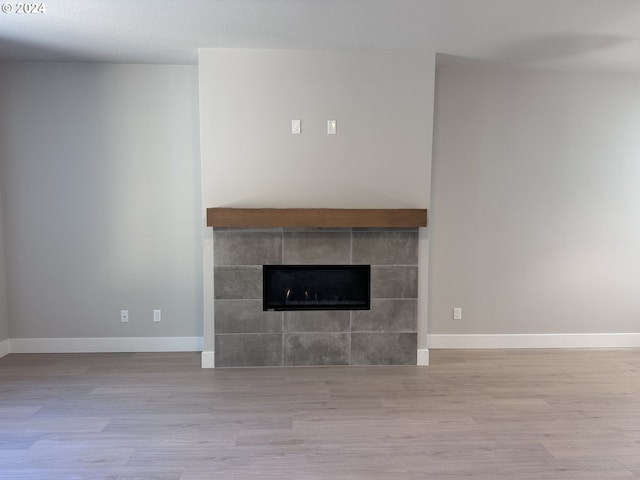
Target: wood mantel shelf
[[316, 217]]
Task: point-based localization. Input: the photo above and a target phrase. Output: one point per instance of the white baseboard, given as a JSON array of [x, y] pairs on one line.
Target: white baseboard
[[551, 340], [423, 356], [109, 344], [208, 360], [195, 344], [5, 347]]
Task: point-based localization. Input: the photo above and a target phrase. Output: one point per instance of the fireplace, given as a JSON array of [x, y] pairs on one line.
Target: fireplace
[[247, 335], [316, 287]]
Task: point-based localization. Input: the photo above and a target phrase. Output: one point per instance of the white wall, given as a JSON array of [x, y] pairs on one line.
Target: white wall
[[101, 198], [535, 199], [4, 311], [380, 158]]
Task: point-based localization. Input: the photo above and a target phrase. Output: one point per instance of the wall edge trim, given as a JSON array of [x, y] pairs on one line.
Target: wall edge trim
[[208, 359], [106, 344], [536, 340], [423, 357]]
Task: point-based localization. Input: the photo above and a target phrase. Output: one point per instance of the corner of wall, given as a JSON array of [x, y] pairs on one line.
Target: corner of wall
[[4, 309], [5, 348]]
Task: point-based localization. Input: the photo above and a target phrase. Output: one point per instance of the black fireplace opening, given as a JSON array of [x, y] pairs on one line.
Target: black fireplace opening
[[316, 287]]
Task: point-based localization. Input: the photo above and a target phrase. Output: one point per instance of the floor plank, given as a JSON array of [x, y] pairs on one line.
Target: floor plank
[[499, 414]]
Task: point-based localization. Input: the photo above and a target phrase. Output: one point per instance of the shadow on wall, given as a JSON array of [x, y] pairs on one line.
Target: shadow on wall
[[539, 50]]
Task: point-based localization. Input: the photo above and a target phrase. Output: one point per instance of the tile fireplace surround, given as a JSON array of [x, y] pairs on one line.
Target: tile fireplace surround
[[245, 335]]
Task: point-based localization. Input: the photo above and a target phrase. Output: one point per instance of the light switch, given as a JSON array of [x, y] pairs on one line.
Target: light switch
[[295, 127], [332, 127]]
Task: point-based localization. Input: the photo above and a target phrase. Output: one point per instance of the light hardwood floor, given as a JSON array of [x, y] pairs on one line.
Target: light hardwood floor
[[537, 414]]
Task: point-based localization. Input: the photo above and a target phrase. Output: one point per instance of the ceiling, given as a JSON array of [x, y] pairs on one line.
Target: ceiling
[[573, 34]]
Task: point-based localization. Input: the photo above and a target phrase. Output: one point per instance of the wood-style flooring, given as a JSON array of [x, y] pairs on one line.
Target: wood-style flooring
[[516, 415]]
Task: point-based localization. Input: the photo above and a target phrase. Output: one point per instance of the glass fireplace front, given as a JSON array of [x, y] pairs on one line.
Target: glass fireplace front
[[316, 287]]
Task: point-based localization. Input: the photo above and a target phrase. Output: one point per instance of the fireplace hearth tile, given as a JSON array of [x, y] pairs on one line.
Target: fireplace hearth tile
[[384, 348], [316, 248], [245, 316], [248, 350], [316, 321], [237, 282], [247, 248], [316, 349], [386, 315], [394, 282], [385, 248]]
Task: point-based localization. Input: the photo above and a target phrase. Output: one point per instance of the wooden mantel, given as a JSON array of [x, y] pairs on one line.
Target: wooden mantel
[[316, 217]]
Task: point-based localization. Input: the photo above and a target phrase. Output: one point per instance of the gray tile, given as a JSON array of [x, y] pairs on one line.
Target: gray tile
[[394, 282], [237, 282], [385, 248], [248, 350], [384, 348], [316, 349], [247, 248], [317, 248], [317, 321], [386, 315], [245, 316]]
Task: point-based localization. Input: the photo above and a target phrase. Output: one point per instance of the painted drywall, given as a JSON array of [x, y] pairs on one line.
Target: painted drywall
[[4, 311], [379, 158], [534, 201], [101, 198]]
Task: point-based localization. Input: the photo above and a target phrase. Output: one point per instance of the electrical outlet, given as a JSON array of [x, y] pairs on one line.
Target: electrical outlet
[[157, 316], [457, 313], [124, 316]]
